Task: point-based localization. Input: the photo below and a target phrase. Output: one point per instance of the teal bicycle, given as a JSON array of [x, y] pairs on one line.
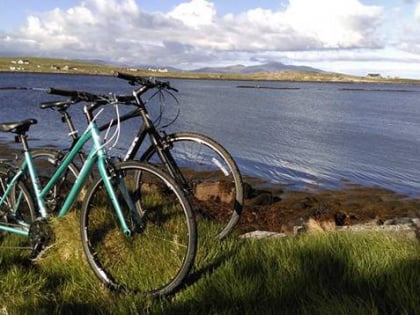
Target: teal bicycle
[[133, 218]]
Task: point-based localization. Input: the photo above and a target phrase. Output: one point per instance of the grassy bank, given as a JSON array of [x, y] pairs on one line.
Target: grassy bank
[[336, 273], [50, 65]]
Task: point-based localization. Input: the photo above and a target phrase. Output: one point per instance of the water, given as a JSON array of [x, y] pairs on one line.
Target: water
[[292, 133]]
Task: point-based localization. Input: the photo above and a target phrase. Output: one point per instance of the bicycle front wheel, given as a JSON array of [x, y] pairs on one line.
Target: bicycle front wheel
[[211, 176], [160, 251]]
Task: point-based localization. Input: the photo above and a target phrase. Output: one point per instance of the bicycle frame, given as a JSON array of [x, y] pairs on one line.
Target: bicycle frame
[[97, 155], [147, 129]]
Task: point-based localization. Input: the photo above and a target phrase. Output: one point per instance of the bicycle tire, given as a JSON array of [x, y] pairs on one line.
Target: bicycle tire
[[212, 176], [19, 207], [158, 255], [46, 162]]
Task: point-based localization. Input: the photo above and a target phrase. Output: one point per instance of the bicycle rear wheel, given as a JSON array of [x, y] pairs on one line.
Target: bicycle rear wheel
[[18, 208], [212, 177], [158, 255], [46, 162]]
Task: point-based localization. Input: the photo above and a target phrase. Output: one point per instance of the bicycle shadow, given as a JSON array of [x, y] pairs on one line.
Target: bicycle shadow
[[208, 268]]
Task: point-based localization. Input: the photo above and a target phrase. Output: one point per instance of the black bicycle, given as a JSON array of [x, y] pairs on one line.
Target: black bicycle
[[200, 165]]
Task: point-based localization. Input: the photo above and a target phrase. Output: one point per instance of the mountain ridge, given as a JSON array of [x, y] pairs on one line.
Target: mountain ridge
[[268, 67]]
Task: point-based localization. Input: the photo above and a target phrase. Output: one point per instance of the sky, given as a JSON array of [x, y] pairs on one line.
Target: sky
[[347, 36]]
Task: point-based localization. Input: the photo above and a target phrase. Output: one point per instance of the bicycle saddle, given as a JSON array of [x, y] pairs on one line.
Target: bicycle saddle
[[18, 127]]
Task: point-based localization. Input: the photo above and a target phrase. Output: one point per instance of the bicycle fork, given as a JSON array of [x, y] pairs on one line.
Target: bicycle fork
[[106, 177]]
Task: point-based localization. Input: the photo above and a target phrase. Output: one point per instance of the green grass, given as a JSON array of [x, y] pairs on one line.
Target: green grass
[[332, 273]]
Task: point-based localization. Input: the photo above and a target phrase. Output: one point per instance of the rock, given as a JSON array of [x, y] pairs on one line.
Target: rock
[[408, 227], [396, 221], [340, 219], [219, 191], [298, 229], [262, 234], [249, 191], [403, 226], [309, 202], [263, 199], [313, 226]]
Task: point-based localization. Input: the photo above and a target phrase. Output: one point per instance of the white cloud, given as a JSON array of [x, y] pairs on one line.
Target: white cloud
[[304, 24], [91, 28], [417, 11], [335, 24], [193, 34], [408, 34], [195, 13]]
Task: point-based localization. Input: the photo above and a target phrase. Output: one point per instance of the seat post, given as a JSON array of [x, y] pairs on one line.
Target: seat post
[[22, 137], [65, 117]]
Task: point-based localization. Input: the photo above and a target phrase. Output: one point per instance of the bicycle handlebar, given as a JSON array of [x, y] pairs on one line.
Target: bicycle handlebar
[[150, 83], [76, 96], [81, 96]]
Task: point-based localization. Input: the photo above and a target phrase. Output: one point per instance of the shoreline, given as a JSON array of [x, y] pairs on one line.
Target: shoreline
[[65, 66], [279, 208], [259, 77]]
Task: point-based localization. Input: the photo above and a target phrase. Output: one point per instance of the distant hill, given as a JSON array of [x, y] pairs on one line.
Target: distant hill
[[227, 69], [264, 68], [274, 71]]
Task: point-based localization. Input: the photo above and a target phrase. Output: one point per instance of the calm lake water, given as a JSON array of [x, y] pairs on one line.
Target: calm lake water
[[292, 133]]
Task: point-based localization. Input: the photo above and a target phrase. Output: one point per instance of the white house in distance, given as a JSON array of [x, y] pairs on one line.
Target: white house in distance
[[21, 62], [160, 70]]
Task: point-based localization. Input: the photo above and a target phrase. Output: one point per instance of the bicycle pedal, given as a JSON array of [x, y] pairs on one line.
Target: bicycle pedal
[[37, 255], [40, 236], [36, 249]]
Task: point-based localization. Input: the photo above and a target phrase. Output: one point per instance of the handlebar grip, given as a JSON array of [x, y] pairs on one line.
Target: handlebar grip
[[69, 93], [151, 82], [75, 95], [133, 79], [125, 76], [125, 98]]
